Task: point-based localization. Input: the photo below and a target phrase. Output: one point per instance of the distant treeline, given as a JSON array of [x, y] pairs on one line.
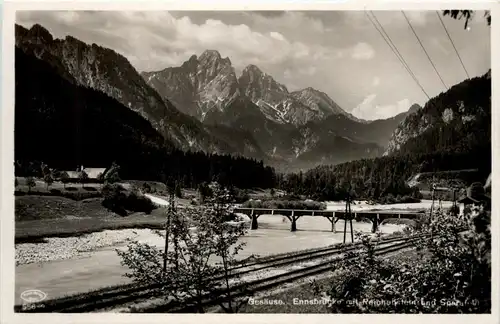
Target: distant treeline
[[378, 178]]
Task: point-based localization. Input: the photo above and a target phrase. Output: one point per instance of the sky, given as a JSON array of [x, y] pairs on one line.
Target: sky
[[337, 52]]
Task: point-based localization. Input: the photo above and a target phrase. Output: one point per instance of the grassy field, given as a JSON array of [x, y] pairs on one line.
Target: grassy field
[[33, 207], [42, 213], [34, 231], [41, 185]]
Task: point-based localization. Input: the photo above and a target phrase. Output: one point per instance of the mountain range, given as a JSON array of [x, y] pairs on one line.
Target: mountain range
[[203, 105]]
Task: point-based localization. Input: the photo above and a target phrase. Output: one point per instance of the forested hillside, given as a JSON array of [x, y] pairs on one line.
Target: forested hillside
[[66, 125], [458, 120], [452, 132]]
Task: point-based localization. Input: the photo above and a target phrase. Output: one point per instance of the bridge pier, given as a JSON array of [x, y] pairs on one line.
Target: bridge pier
[[333, 221], [375, 221], [293, 220], [255, 224], [293, 227]]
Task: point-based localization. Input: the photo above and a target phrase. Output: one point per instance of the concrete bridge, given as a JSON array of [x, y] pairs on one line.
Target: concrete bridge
[[376, 217]]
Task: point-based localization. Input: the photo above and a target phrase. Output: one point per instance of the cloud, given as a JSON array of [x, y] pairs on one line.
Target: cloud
[[337, 52], [170, 41], [418, 18], [289, 19], [362, 51], [277, 36], [368, 110], [311, 70], [388, 19]]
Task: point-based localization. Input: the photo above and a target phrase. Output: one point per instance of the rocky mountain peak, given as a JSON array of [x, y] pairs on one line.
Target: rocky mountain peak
[[254, 80], [212, 57], [37, 34], [40, 32], [414, 108], [252, 69], [201, 84]]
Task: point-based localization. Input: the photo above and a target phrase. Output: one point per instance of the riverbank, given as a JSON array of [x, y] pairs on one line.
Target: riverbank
[[365, 206], [63, 248]]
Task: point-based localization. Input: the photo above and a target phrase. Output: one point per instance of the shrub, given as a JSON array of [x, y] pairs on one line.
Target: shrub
[[454, 210], [390, 199], [239, 196], [83, 177], [450, 274], [90, 188], [112, 175], [146, 187], [114, 197], [190, 274], [30, 182], [64, 177], [48, 178], [117, 200], [178, 191], [138, 203], [291, 196], [284, 204], [205, 191], [71, 189], [56, 192]]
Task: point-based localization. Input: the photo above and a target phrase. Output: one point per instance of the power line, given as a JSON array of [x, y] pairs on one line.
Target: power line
[[425, 51], [389, 42], [452, 43], [395, 50]]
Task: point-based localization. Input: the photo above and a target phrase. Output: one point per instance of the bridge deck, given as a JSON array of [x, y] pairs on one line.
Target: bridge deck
[[333, 216], [304, 212]]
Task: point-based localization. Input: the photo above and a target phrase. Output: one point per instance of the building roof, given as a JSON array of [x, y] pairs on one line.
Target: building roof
[[93, 173]]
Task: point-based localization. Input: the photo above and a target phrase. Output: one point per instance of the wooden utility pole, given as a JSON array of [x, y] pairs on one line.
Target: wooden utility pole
[[350, 222], [432, 205], [171, 197], [170, 210], [432, 197], [348, 216], [455, 207]]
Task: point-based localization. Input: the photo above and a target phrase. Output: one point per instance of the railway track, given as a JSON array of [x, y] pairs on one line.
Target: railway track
[[120, 295], [259, 285]]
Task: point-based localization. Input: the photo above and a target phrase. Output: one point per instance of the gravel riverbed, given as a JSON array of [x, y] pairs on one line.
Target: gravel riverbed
[[58, 248]]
